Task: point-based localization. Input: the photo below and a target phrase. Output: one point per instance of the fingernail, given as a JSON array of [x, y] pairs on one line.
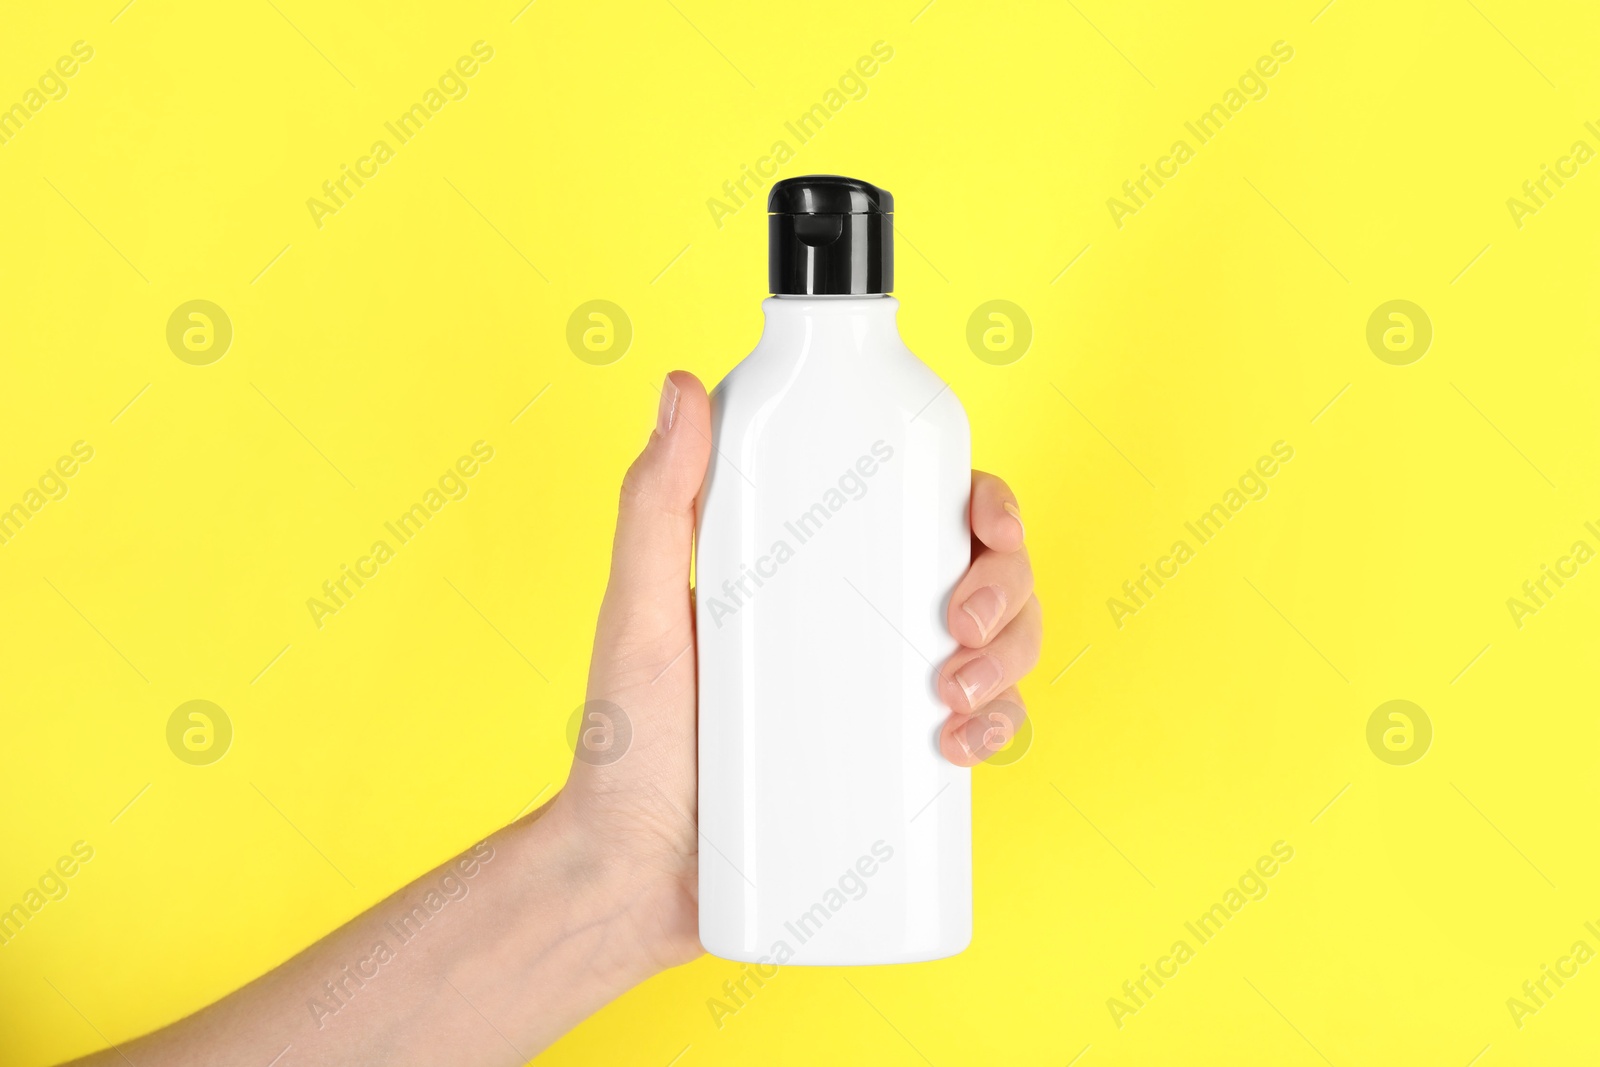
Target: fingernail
[[978, 678], [984, 736], [668, 411], [986, 606], [1011, 509]]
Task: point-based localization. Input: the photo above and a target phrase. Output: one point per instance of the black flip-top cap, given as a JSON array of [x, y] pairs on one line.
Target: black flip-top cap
[[829, 236]]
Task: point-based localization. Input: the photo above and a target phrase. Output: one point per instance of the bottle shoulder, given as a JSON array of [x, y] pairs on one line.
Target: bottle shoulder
[[885, 379]]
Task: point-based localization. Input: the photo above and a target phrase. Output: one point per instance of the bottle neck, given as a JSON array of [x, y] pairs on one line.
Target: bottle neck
[[838, 322]]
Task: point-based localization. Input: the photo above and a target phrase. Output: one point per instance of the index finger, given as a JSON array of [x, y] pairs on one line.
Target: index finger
[[996, 519]]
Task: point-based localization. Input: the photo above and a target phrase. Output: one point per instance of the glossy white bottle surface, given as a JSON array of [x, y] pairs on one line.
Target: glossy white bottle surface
[[832, 530]]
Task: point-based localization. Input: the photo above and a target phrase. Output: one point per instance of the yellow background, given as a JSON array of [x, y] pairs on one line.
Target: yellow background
[[1222, 317]]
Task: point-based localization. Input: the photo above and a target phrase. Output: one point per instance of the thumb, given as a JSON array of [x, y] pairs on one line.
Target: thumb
[[655, 518]]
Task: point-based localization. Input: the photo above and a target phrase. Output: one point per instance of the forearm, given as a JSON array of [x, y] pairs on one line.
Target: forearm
[[484, 960]]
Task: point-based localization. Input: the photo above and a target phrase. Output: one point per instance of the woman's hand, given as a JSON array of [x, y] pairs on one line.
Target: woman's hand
[[639, 811], [996, 618], [494, 955]]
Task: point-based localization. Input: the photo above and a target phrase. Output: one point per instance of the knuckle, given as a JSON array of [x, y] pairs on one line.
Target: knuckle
[[1034, 637], [1022, 575], [637, 490]]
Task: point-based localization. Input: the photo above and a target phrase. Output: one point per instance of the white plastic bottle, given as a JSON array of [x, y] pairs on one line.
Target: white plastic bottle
[[832, 531]]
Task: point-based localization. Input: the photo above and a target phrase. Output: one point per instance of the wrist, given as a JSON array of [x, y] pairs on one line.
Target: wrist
[[634, 863], [572, 892]]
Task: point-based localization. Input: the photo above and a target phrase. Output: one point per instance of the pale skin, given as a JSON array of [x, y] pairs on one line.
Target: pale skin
[[563, 911]]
